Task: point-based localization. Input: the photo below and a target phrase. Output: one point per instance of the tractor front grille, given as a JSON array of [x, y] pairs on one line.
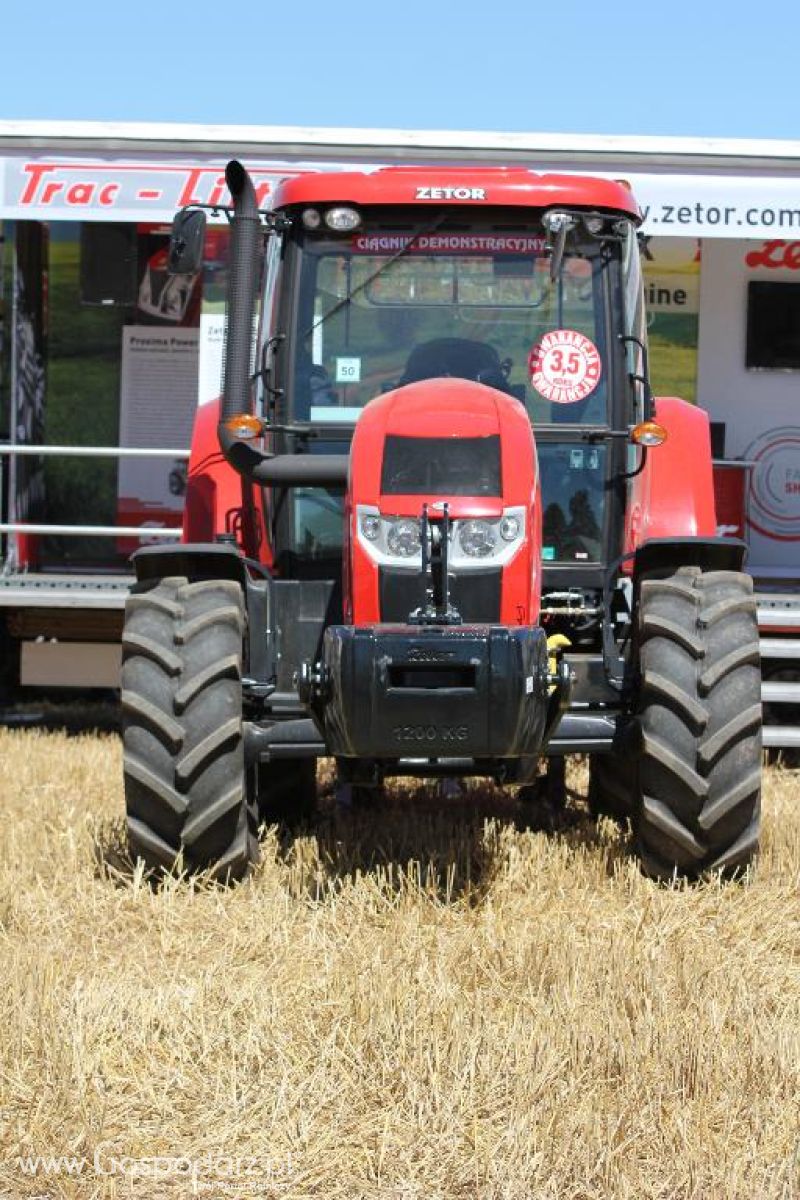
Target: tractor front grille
[[475, 594]]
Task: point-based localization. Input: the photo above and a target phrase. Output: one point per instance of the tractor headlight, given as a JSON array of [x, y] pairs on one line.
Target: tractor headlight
[[388, 539], [371, 527], [402, 539], [476, 543], [477, 538], [486, 542], [509, 528], [342, 219]]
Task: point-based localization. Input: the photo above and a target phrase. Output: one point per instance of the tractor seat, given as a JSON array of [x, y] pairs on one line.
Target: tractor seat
[[459, 357]]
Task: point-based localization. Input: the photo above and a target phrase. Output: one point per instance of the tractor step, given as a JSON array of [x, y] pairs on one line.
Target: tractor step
[[282, 739], [778, 612], [784, 737], [779, 647], [780, 692], [583, 733]]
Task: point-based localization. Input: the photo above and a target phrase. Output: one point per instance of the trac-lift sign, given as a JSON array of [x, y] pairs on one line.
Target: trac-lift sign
[[58, 187]]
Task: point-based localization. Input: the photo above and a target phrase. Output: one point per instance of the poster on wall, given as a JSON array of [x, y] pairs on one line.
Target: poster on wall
[[158, 387], [212, 343], [158, 397], [164, 299], [671, 268], [749, 383], [772, 362], [773, 494], [29, 357], [212, 318]]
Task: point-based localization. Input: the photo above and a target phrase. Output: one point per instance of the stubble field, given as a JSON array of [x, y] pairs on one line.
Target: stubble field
[[435, 1000]]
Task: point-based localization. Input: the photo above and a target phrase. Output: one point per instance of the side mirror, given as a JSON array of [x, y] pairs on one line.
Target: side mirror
[[186, 242]]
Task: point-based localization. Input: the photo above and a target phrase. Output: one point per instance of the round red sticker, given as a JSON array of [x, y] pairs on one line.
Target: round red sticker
[[564, 366]]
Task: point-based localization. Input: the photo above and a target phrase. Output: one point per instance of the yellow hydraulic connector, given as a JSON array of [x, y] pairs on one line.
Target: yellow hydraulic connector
[[555, 644]]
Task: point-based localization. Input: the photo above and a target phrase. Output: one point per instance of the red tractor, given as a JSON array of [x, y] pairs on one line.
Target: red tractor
[[438, 525]]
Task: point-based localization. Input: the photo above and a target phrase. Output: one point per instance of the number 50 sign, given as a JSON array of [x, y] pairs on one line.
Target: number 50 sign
[[564, 366]]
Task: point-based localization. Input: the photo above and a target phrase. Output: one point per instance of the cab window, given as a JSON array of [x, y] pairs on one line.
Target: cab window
[[389, 307]]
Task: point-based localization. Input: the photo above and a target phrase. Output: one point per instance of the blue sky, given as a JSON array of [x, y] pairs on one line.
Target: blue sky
[[575, 66]]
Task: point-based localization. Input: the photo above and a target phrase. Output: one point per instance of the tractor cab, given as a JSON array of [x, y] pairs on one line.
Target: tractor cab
[[527, 284]]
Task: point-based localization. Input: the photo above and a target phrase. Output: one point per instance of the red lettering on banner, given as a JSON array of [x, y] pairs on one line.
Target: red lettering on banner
[[36, 172], [41, 190], [48, 184], [80, 193], [194, 193], [774, 255], [187, 195], [218, 191], [108, 194], [51, 190]]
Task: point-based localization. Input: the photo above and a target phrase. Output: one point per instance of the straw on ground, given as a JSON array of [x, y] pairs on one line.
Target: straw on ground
[[428, 1001]]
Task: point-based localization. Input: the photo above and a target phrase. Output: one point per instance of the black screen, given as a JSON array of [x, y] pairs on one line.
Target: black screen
[[773, 326], [108, 264], [441, 466]]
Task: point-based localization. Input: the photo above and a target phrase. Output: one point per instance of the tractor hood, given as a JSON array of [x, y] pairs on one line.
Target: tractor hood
[[442, 440]]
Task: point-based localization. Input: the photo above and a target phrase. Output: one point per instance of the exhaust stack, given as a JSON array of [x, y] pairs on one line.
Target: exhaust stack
[[242, 284], [283, 470]]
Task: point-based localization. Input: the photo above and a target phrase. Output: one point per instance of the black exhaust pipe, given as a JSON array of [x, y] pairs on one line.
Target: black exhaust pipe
[[283, 470], [242, 285]]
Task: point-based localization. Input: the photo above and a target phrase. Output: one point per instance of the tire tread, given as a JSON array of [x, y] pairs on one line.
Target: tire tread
[[698, 801], [182, 727]]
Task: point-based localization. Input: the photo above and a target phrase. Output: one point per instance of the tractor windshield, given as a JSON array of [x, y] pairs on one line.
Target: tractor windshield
[[391, 305], [465, 295]]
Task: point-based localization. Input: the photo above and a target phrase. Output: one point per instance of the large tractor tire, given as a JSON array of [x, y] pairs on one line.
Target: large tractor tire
[[287, 791], [184, 769], [699, 773], [612, 786]]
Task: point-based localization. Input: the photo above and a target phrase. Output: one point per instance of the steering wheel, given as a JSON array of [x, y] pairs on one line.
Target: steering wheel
[[496, 377]]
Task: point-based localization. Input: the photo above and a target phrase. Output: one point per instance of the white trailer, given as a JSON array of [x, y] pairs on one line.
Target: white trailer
[[749, 381], [731, 207]]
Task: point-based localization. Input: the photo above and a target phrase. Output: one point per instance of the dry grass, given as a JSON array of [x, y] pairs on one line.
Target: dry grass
[[422, 1004]]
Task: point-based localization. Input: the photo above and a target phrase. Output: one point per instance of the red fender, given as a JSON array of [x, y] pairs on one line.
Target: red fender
[[673, 496], [218, 499]]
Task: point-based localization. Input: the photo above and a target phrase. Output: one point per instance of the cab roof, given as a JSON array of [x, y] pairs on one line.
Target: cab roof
[[473, 186]]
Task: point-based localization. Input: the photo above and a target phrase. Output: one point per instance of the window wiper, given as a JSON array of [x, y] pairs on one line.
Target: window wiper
[[423, 231]]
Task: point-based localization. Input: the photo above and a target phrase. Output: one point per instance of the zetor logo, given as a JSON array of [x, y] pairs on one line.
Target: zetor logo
[[451, 193], [774, 255]]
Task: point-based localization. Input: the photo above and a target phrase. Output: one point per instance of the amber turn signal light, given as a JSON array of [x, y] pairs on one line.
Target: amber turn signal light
[[244, 426], [648, 433]]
